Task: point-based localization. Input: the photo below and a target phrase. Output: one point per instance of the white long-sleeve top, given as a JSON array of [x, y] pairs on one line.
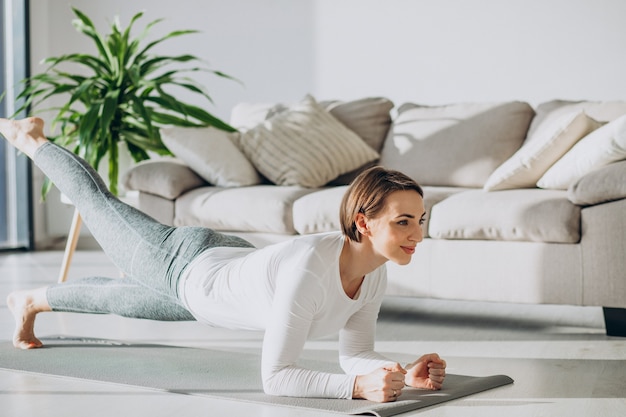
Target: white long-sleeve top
[[293, 291]]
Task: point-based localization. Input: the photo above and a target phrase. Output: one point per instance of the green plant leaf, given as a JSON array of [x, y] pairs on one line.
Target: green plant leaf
[[205, 118], [144, 115], [164, 38], [45, 189], [109, 108], [85, 26], [121, 94]]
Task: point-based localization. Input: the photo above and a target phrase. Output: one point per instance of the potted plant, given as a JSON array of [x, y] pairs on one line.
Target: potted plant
[[122, 98]]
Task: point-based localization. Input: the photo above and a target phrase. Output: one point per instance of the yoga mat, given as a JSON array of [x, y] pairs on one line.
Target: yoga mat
[[209, 372]]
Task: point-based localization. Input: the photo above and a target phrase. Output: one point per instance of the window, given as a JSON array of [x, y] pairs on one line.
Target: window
[[15, 174]]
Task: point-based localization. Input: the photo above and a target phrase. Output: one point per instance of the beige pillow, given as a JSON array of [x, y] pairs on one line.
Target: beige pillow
[[457, 145], [540, 151], [167, 177], [602, 111], [600, 186], [304, 146], [596, 150], [245, 116], [212, 154], [368, 117]]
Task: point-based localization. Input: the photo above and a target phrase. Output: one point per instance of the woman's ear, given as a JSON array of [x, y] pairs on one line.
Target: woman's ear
[[361, 224]]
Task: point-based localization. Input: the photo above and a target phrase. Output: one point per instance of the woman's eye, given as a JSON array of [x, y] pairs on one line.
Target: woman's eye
[[403, 222]]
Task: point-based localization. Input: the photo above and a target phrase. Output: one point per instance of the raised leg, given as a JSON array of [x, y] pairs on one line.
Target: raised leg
[[142, 248], [155, 255]]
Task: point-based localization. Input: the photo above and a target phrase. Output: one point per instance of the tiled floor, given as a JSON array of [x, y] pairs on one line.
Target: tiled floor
[[562, 362]]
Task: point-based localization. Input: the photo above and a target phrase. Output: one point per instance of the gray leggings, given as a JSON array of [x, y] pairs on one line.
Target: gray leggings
[[151, 254]]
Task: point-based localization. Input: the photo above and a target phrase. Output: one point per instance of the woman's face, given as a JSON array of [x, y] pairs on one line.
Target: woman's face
[[397, 229]]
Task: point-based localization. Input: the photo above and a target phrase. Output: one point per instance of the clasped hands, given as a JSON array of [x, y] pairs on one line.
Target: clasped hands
[[386, 384]]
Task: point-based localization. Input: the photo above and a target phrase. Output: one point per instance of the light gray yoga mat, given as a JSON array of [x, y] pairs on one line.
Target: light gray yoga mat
[[215, 373]]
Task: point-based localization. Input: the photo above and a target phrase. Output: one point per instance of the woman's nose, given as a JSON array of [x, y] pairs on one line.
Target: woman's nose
[[418, 234]]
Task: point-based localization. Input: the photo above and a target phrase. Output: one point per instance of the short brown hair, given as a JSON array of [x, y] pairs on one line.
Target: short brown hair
[[367, 195]]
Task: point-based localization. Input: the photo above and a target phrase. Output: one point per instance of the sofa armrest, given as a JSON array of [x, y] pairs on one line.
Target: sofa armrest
[[600, 186], [167, 178]]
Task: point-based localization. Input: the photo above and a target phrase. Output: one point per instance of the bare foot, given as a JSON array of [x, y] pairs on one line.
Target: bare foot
[[26, 134], [25, 305]]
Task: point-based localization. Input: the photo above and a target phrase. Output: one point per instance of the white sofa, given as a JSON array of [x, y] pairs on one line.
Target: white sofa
[[492, 233]]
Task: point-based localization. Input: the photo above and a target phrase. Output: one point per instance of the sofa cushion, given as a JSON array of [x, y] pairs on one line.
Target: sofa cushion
[[602, 111], [596, 150], [211, 153], [600, 186], [540, 151], [457, 145], [319, 211], [304, 146], [165, 177], [513, 215], [261, 208], [434, 195]]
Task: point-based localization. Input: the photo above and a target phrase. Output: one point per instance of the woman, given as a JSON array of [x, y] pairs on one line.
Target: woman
[[308, 287]]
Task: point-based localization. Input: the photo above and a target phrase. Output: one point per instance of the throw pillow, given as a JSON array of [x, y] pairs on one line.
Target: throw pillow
[[601, 147], [305, 146], [167, 177], [245, 116], [540, 151], [457, 145], [211, 153], [600, 186], [602, 111], [369, 117]]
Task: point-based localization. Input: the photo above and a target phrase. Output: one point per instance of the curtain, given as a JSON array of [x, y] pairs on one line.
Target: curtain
[[15, 170]]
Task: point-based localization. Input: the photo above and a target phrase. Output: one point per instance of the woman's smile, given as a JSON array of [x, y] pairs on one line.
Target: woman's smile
[[410, 250]]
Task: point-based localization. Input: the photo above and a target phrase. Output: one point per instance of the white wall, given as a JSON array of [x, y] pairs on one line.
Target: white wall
[[266, 44], [458, 50], [423, 51]]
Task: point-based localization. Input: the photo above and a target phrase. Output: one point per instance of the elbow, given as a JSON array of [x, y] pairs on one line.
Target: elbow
[[272, 387], [281, 383]]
